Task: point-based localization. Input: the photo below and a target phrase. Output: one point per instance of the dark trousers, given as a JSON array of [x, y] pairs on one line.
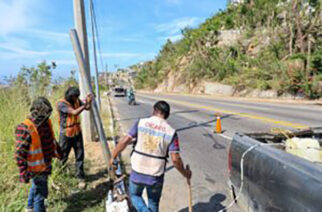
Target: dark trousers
[[76, 142]]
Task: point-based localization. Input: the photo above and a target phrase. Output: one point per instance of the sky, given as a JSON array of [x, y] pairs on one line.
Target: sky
[[131, 31]]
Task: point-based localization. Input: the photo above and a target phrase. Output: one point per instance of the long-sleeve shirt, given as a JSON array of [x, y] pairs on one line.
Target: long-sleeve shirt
[[23, 142]]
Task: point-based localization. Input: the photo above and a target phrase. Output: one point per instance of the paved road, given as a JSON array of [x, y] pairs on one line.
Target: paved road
[[206, 152]]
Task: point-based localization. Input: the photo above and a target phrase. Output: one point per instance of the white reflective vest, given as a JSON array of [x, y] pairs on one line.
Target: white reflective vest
[[149, 155]]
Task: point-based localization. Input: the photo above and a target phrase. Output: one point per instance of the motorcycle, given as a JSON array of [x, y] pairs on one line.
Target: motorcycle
[[131, 99]]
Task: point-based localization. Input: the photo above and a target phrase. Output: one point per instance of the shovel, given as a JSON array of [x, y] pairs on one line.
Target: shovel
[[190, 191]]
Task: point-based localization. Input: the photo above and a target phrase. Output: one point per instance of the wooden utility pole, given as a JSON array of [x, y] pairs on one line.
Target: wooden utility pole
[[80, 25]]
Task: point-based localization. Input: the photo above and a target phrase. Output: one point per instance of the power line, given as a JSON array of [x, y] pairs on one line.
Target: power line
[[93, 24], [97, 34]]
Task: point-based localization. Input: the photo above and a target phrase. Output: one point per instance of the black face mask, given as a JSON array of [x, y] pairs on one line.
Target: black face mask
[[40, 110], [41, 119], [41, 116]]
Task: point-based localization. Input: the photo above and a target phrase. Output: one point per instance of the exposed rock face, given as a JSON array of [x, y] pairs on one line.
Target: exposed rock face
[[176, 81], [217, 88], [199, 88], [212, 88], [263, 94], [161, 88], [172, 83], [228, 37], [167, 85], [180, 89]]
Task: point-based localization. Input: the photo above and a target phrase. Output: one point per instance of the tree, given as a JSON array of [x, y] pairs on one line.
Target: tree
[[35, 79]]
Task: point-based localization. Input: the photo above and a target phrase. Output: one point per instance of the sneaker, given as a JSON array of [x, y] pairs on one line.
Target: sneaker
[[29, 210]]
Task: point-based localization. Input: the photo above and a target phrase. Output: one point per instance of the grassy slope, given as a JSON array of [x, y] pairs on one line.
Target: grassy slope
[[64, 194]]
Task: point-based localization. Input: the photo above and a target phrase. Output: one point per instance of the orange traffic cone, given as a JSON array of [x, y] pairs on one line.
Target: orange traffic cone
[[218, 125]]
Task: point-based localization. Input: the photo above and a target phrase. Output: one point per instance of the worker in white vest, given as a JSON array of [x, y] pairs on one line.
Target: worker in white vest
[[156, 139]]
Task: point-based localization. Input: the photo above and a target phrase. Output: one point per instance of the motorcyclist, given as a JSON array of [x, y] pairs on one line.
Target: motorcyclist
[[130, 96]]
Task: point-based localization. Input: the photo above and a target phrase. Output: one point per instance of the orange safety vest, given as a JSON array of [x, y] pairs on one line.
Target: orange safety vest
[[35, 158], [72, 125]]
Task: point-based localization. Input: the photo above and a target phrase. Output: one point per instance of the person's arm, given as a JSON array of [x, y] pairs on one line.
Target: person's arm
[[23, 141], [177, 162], [75, 112], [120, 147], [126, 140], [174, 150]]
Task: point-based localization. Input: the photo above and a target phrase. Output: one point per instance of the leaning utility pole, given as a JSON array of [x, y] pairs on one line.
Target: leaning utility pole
[[87, 83], [80, 25]]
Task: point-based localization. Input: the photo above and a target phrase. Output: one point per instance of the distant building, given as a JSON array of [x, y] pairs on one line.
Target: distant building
[[132, 74]]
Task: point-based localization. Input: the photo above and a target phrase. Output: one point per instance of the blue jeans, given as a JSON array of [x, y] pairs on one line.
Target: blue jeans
[[154, 195], [38, 193]]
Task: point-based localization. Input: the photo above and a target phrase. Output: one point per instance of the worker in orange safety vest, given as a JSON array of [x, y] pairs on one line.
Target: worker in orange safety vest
[[35, 148]]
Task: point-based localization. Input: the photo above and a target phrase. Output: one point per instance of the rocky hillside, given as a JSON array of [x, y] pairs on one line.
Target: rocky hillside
[[257, 46]]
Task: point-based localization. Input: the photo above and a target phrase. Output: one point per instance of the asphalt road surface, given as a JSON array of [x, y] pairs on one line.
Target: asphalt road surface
[[206, 152]]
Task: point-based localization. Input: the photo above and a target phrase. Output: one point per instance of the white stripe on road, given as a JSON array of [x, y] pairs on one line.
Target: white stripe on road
[[225, 136]]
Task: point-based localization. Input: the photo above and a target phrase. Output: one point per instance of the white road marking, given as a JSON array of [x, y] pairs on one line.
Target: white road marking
[[225, 136]]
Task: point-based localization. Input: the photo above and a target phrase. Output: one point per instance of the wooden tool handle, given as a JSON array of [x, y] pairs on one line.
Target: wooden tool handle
[[190, 191]]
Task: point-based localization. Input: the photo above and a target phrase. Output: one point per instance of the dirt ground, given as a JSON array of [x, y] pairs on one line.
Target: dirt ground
[[97, 171]]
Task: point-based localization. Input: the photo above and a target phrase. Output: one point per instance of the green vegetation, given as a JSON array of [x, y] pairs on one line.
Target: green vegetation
[[15, 102], [257, 44]]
